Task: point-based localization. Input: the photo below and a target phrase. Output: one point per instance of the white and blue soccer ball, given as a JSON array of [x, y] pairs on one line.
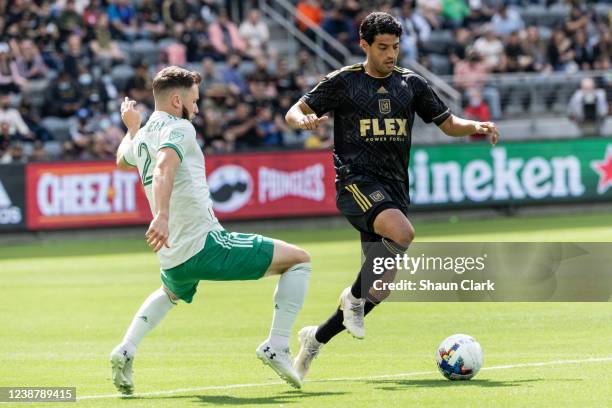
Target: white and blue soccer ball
[[459, 357]]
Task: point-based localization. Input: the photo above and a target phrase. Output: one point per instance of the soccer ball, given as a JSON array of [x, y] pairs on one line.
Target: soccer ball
[[459, 357]]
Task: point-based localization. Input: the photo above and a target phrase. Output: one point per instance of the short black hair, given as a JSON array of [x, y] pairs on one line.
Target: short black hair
[[379, 23]]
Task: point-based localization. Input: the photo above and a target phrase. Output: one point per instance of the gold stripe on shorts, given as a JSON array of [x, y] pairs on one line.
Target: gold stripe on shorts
[[361, 200]]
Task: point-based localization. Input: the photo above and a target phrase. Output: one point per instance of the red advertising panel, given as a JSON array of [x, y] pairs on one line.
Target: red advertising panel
[[271, 185], [83, 194]]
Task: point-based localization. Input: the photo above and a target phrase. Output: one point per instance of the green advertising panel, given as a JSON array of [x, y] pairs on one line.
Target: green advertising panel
[[578, 170]]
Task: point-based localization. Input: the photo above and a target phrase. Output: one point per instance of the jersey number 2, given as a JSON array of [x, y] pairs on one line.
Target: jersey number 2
[[146, 178]]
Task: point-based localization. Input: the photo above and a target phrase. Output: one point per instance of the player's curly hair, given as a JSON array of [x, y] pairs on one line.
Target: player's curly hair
[[175, 77], [379, 23]]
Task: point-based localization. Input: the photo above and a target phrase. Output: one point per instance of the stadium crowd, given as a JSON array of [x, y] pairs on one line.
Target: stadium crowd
[[66, 64]]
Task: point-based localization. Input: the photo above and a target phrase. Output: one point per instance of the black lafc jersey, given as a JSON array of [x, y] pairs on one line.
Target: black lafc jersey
[[373, 118]]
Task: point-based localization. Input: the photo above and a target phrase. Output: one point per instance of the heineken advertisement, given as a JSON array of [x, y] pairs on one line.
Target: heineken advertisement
[[512, 173]]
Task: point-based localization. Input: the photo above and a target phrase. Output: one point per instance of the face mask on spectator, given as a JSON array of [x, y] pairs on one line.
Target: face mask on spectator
[[85, 79]]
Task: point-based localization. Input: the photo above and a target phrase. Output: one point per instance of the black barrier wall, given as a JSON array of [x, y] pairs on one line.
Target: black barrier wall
[[12, 197]]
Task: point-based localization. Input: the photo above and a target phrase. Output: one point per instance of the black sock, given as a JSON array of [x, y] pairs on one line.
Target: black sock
[[384, 249], [334, 325]]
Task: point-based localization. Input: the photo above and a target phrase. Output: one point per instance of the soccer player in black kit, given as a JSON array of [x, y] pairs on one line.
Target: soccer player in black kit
[[374, 104]]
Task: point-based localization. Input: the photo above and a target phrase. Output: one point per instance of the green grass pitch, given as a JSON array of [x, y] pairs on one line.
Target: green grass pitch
[[65, 305]]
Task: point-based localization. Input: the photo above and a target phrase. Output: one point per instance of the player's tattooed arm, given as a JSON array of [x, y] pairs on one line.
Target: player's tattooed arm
[[456, 126], [131, 119], [300, 116]]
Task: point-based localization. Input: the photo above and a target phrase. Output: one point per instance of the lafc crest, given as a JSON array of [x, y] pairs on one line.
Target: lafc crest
[[384, 105], [377, 196]]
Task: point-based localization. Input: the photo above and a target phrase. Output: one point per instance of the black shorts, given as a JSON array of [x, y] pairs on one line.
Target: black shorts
[[360, 200]]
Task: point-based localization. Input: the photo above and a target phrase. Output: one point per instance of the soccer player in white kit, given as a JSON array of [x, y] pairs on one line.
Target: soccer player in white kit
[[186, 235]]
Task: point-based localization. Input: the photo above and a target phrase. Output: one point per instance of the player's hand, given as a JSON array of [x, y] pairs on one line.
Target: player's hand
[[130, 116], [311, 121], [157, 234], [490, 129]]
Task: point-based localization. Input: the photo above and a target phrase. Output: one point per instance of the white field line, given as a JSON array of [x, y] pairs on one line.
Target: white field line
[[371, 377]]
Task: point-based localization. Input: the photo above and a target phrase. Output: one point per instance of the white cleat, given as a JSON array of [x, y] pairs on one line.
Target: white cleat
[[309, 349], [280, 362], [122, 370], [353, 314]]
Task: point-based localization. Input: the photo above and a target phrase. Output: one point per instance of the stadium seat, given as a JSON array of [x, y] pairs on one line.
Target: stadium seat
[[556, 127], [125, 48], [440, 64], [58, 127], [146, 51], [121, 74], [53, 148], [438, 42]]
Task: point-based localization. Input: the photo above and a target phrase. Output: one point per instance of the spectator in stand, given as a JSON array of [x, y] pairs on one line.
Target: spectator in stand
[[176, 52], [578, 20], [92, 14], [64, 96], [515, 58], [241, 131], [82, 132], [267, 129], [5, 138], [480, 14], [16, 128], [535, 48], [458, 48], [140, 86], [262, 69], [261, 91], [255, 32], [473, 73], [320, 138], [150, 16], [92, 89], [584, 51], [560, 53], [477, 109], [210, 75], [14, 154], [588, 107], [232, 77], [341, 28], [454, 12], [39, 154], [432, 11], [77, 56], [310, 12], [490, 48], [123, 21], [30, 64], [10, 80], [224, 36], [306, 69], [197, 41], [416, 30], [32, 119], [507, 21], [175, 11], [105, 50], [69, 20], [286, 81], [603, 51]]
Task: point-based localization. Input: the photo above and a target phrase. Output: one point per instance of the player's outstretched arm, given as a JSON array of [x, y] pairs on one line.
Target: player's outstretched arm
[[456, 126], [168, 162], [300, 116], [131, 118]]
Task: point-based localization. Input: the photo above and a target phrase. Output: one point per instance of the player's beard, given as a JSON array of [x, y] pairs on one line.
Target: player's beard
[[185, 113]]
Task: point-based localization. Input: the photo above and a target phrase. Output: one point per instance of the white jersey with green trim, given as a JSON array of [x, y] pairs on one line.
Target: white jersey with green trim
[[191, 207]]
